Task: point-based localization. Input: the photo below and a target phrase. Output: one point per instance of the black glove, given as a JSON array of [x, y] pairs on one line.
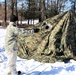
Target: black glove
[[47, 27], [36, 30]]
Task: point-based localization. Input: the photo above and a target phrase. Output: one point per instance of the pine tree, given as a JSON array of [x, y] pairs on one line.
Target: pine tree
[[73, 5]]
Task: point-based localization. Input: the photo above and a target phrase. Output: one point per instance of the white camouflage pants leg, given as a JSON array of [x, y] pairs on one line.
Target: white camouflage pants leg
[[11, 62]]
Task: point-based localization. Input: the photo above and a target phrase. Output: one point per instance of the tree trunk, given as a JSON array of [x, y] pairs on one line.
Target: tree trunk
[[12, 7], [57, 6], [5, 11], [16, 8], [42, 10]]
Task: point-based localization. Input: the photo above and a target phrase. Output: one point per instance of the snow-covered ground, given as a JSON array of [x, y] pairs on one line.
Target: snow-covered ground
[[32, 67], [24, 22]]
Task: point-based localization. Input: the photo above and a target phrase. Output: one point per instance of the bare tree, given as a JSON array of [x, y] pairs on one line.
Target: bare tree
[[21, 12], [5, 11], [16, 8], [58, 4], [12, 6], [42, 10]]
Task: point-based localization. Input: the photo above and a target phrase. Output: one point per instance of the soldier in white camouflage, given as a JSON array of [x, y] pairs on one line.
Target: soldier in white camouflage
[[11, 47]]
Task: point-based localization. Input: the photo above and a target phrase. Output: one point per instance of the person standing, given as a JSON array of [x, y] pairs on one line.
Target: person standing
[[12, 32]]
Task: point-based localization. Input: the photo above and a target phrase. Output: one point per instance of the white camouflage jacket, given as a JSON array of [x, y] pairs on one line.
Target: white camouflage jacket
[[12, 33]]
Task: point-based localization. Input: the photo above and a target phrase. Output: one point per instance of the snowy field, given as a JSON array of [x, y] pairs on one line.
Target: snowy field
[[24, 22], [32, 67]]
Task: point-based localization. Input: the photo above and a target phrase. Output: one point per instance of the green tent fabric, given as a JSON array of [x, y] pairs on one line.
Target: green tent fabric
[[56, 43]]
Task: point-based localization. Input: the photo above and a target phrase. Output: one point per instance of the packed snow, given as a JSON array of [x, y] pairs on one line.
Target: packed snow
[[32, 67]]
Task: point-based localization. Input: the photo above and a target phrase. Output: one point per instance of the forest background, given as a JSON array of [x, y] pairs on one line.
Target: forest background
[[34, 9]]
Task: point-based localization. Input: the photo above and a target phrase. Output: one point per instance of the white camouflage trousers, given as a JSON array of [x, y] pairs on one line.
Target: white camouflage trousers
[[11, 62]]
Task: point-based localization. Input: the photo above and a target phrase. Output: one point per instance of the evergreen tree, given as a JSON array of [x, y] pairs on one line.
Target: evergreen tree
[[30, 12], [73, 5]]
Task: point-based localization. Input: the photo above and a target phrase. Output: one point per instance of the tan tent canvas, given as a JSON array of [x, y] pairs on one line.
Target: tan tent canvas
[[56, 40]]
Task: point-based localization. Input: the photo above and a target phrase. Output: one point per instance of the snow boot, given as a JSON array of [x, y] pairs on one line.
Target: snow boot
[[19, 72]]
